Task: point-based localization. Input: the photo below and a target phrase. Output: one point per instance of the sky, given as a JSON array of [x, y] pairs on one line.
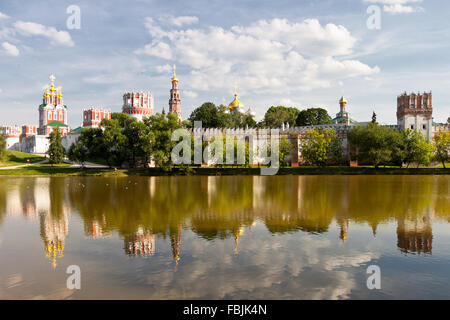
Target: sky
[[296, 53]]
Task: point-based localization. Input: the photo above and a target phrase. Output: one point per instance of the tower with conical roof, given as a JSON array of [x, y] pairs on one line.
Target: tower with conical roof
[[174, 101]]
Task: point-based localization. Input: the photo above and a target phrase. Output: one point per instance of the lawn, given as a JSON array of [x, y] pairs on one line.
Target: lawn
[[17, 158]]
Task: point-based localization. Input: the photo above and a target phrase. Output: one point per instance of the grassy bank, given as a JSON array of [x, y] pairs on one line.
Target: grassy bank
[[67, 171], [17, 158]]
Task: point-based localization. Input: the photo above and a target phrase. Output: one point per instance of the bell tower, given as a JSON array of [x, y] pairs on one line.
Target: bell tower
[[174, 101]]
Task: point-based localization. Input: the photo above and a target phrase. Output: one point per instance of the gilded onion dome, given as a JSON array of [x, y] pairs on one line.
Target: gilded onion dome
[[174, 78], [236, 105], [343, 100]]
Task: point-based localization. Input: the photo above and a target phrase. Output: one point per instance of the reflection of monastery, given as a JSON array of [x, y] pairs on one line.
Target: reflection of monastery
[[33, 199], [228, 209], [415, 235], [139, 243], [414, 111]]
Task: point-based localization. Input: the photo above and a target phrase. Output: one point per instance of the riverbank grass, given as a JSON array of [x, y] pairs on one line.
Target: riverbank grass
[[17, 158], [67, 170]]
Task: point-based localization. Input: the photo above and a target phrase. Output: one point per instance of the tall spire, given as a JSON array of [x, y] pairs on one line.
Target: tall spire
[[174, 77], [52, 86]]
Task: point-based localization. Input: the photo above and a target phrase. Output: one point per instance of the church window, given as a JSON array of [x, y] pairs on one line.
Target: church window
[[424, 126], [412, 127], [49, 116]]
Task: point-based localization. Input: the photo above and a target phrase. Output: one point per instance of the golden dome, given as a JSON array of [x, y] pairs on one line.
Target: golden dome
[[235, 104], [343, 100], [174, 78]]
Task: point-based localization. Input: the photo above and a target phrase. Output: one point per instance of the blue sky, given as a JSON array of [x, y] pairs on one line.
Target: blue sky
[[293, 53]]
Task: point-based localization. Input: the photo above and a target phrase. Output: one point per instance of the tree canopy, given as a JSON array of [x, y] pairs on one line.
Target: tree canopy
[[2, 146], [276, 116], [213, 116], [313, 116], [55, 150], [380, 145], [320, 147], [442, 147]]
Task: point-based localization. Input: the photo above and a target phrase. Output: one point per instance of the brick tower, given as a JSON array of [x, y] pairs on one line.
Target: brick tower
[[414, 111], [138, 104], [174, 101]]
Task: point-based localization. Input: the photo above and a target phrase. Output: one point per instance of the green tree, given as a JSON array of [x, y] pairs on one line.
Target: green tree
[[414, 148], [319, 146], [78, 153], [313, 116], [208, 114], [284, 152], [55, 150], [374, 117], [442, 146], [2, 147], [113, 140], [161, 144], [424, 155], [376, 145], [276, 116]]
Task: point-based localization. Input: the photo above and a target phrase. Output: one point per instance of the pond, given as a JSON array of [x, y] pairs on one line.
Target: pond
[[229, 237]]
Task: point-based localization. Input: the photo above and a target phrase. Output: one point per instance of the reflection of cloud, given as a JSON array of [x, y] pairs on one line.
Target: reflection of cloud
[[305, 268], [14, 280]]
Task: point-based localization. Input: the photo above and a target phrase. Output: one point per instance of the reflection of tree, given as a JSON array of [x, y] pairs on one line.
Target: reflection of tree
[[300, 203], [126, 204], [3, 197], [218, 207]]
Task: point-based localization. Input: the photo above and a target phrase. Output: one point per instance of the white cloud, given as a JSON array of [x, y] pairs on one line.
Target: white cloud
[[270, 55], [35, 29], [3, 16], [190, 94], [157, 49], [181, 21], [398, 6], [10, 49], [164, 68]]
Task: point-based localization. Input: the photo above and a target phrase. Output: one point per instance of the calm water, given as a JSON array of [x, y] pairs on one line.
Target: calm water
[[281, 237]]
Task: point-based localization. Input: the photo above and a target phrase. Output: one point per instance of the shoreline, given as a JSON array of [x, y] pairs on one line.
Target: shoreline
[[208, 171]]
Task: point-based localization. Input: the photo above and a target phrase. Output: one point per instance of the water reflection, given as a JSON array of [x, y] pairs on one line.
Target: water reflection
[[140, 209], [156, 217]]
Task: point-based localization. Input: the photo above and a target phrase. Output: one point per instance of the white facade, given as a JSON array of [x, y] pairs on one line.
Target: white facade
[[419, 123], [35, 144], [13, 143], [69, 139]]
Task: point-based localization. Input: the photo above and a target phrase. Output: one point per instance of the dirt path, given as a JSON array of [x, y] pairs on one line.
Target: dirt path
[[24, 165]]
